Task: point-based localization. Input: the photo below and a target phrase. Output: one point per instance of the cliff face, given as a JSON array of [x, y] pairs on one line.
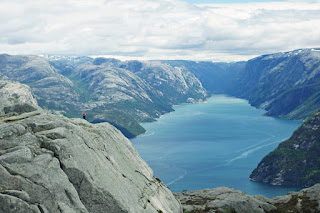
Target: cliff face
[[296, 160], [228, 200], [49, 163]]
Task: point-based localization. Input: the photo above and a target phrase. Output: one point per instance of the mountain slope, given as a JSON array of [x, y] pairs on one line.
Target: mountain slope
[[118, 96], [214, 77], [52, 90], [122, 93], [285, 84], [176, 84], [295, 161]]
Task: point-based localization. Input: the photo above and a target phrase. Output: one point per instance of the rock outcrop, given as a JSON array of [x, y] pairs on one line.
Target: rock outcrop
[[296, 160], [228, 200], [49, 163], [13, 93]]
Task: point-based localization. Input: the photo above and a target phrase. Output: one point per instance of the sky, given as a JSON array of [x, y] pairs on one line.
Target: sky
[[215, 30]]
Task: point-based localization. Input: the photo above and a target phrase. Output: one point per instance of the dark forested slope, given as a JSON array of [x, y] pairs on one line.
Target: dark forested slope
[[295, 161]]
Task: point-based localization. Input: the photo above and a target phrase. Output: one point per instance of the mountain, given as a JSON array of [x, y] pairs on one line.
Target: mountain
[[118, 96], [52, 90], [295, 161], [286, 84], [130, 92], [49, 163], [122, 93], [126, 93]]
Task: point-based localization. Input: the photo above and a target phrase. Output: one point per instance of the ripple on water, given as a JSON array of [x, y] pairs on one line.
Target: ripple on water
[[212, 144]]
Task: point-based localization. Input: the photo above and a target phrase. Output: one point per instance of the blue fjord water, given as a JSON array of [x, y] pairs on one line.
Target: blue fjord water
[[212, 144]]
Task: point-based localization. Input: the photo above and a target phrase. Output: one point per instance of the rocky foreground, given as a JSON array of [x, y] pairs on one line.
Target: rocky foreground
[[224, 199], [49, 163]]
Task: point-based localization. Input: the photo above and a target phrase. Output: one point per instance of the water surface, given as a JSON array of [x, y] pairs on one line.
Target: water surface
[[212, 144]]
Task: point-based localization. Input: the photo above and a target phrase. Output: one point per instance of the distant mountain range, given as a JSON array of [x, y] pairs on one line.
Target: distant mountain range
[[122, 93], [126, 93]]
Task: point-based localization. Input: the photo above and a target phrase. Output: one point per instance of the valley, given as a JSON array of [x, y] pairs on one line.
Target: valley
[[128, 93]]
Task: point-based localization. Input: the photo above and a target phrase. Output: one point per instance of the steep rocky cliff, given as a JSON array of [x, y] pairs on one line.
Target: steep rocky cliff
[[49, 163], [228, 200], [295, 161]]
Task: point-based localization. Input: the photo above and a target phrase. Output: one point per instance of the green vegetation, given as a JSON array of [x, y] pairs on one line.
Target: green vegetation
[[307, 205], [296, 159], [81, 87]]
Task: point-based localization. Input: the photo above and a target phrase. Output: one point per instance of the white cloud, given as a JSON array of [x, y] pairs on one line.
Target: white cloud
[[157, 29]]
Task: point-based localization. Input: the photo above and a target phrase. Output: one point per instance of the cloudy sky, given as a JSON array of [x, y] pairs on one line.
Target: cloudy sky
[[216, 30]]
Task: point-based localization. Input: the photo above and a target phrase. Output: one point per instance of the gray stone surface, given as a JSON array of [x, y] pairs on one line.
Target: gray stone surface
[[224, 199], [49, 163], [14, 97]]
